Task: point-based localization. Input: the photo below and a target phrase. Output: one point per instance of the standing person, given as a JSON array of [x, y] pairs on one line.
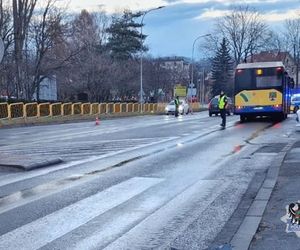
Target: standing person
[[176, 101], [222, 107]]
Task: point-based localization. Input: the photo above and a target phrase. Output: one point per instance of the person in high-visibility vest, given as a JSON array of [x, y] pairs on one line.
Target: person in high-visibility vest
[[222, 107], [176, 102]]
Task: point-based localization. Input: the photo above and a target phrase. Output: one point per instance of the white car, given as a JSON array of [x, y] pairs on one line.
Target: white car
[[183, 107]]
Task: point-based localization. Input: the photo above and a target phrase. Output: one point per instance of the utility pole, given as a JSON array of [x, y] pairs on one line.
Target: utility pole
[[192, 70], [141, 59], [296, 59], [203, 87]]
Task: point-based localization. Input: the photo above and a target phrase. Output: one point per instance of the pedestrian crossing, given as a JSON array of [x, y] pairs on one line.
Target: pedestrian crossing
[[136, 213], [145, 212], [137, 210], [44, 230]]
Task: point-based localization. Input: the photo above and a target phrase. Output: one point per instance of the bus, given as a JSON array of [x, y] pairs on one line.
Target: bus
[[262, 89]]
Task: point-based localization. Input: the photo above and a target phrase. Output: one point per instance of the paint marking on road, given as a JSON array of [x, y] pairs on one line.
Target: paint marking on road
[[168, 218], [46, 229], [114, 228]]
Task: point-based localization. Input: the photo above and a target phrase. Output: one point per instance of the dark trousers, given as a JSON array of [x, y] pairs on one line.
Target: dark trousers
[[176, 111], [223, 116]]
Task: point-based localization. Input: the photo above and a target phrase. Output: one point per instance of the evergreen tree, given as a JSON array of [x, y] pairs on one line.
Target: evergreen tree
[[125, 39], [222, 69]]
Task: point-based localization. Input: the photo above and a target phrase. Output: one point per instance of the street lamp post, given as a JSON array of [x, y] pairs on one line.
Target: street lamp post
[[141, 60], [192, 71], [1, 49]]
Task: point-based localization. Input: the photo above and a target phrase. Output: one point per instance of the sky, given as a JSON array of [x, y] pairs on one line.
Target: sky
[[172, 30]]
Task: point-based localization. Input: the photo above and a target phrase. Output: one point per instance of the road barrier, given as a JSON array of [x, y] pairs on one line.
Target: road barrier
[[45, 110]]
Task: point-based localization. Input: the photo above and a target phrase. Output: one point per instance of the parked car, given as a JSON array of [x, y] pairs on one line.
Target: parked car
[[295, 103], [213, 106], [183, 107]]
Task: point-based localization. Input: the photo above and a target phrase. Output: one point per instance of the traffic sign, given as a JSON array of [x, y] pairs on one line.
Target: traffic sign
[[180, 90], [1, 50]]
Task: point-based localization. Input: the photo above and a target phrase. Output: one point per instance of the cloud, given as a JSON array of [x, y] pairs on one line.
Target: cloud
[[113, 6], [276, 16], [224, 2], [212, 13], [269, 15]]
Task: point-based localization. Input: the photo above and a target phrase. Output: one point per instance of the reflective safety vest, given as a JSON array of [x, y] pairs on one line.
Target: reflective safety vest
[[222, 102], [176, 102]]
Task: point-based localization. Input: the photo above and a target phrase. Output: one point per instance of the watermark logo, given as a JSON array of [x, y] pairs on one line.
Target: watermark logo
[[292, 218]]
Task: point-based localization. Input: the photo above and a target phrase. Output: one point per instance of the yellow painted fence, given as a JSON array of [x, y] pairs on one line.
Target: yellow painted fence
[[31, 110]]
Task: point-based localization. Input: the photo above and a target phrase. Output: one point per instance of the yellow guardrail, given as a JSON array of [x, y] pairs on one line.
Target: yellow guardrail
[[86, 109], [56, 109], [67, 109], [30, 110], [16, 110], [3, 110], [76, 108], [95, 108]]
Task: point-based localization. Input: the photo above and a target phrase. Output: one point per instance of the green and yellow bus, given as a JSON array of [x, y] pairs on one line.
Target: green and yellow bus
[[262, 89]]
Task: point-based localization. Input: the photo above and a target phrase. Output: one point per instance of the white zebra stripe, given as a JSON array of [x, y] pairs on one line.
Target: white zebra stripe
[[44, 230]]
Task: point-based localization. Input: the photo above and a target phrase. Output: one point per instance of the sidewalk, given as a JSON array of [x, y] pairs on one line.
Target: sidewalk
[[261, 219], [272, 231]]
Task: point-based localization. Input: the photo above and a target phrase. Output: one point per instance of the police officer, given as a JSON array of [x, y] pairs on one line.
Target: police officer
[[176, 101], [222, 107]]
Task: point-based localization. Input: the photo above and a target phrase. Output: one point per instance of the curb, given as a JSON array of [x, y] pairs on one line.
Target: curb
[[248, 228], [33, 166]]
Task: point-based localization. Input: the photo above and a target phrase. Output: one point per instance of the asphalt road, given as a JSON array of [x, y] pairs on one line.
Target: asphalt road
[[132, 183]]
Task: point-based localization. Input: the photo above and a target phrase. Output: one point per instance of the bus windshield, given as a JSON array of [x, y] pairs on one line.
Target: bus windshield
[[258, 78]]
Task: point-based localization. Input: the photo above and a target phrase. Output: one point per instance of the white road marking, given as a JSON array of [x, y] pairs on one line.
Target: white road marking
[[199, 191], [164, 220], [44, 230]]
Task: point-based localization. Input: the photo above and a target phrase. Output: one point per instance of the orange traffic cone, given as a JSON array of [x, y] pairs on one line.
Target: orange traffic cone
[[97, 121]]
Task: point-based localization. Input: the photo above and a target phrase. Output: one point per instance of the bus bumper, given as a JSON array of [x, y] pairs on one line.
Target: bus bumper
[[258, 110]]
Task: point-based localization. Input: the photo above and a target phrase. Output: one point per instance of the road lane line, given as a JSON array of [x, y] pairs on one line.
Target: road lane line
[[46, 229]]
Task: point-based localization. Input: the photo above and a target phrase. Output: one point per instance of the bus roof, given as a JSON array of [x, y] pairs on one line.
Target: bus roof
[[259, 65]]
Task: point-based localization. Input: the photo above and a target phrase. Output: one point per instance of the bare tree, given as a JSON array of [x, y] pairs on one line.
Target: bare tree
[[44, 30], [6, 27], [6, 34], [91, 71], [244, 29], [274, 42], [22, 14], [292, 35]]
